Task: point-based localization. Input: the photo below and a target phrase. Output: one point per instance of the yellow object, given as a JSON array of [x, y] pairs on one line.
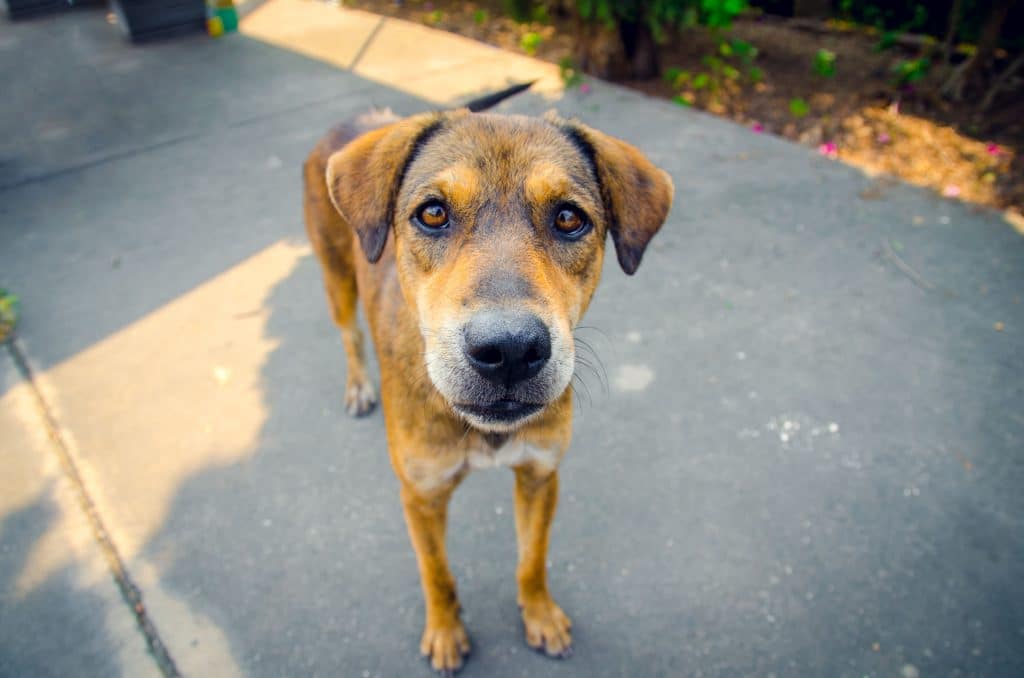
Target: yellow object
[[215, 27]]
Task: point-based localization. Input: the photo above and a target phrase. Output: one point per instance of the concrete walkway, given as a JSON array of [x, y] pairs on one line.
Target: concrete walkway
[[807, 460]]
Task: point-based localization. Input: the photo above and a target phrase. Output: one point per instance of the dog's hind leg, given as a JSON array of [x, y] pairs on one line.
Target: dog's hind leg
[[332, 241]]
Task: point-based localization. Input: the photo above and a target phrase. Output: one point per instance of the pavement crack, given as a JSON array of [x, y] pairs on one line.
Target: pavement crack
[[129, 591]]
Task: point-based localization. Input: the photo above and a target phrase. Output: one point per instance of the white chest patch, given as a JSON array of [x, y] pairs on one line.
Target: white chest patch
[[511, 454]]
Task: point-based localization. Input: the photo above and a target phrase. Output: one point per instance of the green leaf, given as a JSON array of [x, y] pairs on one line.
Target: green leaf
[[755, 74], [701, 81], [530, 42], [571, 76], [798, 107], [480, 16], [887, 40], [825, 63], [681, 100]]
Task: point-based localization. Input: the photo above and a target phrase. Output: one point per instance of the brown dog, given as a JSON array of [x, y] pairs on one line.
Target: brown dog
[[480, 243]]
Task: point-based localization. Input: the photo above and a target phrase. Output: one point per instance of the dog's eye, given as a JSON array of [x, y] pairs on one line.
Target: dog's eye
[[570, 222], [432, 216]]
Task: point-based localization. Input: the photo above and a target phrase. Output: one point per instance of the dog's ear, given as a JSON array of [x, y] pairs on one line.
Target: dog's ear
[[636, 194], [363, 178]]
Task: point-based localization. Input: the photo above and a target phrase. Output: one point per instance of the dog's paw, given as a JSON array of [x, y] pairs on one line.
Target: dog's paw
[[445, 645], [547, 628], [360, 398]]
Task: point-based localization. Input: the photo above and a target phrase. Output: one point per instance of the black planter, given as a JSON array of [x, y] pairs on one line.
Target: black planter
[[151, 19], [19, 9]]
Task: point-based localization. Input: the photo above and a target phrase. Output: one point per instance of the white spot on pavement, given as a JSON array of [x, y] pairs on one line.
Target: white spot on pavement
[[634, 337], [633, 378], [909, 671]]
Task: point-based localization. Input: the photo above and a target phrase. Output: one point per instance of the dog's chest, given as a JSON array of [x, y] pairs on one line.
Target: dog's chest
[[512, 453]]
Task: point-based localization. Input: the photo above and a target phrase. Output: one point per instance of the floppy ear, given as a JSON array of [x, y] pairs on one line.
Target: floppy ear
[[363, 178], [636, 194]]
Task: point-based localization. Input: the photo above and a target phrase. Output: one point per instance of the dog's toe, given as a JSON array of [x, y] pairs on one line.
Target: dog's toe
[[547, 629], [360, 399], [445, 646]]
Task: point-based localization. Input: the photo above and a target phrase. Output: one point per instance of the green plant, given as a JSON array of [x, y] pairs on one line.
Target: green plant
[[643, 23], [571, 76], [539, 14], [799, 107], [724, 71], [909, 71], [520, 10], [480, 16], [825, 63], [719, 14], [435, 17], [530, 42], [887, 41], [8, 313]]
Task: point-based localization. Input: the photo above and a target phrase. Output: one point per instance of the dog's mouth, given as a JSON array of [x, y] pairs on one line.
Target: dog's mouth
[[504, 411]]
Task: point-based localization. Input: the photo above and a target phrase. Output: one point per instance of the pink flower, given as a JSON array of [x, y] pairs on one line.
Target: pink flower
[[884, 138], [994, 149], [951, 191], [828, 149], [585, 88], [757, 127]]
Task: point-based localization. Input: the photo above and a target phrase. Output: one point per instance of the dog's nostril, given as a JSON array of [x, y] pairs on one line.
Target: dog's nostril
[[488, 355], [532, 355]]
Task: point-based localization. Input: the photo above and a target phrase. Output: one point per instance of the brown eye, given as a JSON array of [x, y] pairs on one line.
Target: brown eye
[[433, 215], [570, 222]]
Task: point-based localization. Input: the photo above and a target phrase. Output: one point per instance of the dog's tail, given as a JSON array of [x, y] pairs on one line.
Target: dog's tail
[[491, 100]]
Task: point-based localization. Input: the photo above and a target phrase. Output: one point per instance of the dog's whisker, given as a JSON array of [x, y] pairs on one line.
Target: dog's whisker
[[582, 382], [603, 376], [598, 330]]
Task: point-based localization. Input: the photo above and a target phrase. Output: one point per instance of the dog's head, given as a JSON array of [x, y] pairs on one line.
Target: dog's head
[[499, 224]]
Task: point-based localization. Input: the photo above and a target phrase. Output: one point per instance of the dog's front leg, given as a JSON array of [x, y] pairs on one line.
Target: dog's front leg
[[547, 627], [444, 638]]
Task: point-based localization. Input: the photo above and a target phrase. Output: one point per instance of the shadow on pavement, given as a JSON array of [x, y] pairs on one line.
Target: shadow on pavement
[[54, 626]]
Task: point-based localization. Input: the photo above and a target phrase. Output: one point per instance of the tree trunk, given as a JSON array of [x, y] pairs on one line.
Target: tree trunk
[[969, 73], [641, 50], [951, 31], [625, 52], [599, 50]]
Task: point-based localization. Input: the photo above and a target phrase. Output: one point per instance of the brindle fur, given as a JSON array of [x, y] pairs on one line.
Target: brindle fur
[[501, 177]]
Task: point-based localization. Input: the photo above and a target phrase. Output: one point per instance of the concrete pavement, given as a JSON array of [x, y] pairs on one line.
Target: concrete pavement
[[807, 460]]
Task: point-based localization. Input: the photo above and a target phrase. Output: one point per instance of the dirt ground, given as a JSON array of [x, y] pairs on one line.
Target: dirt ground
[[859, 113]]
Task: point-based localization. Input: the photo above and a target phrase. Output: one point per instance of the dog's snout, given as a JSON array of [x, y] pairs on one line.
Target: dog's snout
[[507, 348]]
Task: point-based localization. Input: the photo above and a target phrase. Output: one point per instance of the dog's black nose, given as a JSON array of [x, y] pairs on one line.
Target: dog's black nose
[[506, 348]]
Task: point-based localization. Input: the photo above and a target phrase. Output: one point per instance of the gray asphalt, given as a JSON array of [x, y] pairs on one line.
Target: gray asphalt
[[806, 458]]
